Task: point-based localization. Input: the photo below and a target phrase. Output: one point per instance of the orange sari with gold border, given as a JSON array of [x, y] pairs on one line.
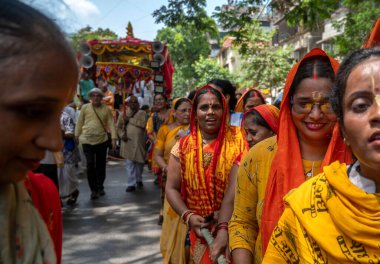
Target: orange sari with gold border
[[205, 186]]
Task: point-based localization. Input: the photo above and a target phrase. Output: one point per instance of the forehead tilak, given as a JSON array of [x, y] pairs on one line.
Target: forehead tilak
[[316, 95], [375, 89]]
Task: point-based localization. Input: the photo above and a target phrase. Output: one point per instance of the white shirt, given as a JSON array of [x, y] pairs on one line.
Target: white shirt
[[358, 180]]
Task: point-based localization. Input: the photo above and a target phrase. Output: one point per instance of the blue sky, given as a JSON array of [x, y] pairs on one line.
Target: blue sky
[[115, 14]]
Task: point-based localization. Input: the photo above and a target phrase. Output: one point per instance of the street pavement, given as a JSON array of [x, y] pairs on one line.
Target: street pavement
[[117, 228]]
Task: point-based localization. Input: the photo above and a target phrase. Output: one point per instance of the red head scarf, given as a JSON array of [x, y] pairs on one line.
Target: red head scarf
[[374, 37], [287, 169], [240, 104], [270, 113]]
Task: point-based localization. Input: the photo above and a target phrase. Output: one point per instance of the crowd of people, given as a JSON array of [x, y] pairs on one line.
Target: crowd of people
[[241, 180]]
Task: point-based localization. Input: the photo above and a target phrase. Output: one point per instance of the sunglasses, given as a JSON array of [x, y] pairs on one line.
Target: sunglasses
[[307, 107]]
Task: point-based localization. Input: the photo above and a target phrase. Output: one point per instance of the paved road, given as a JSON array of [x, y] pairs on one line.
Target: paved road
[[117, 228]]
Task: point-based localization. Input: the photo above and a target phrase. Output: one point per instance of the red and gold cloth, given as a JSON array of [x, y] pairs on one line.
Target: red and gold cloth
[[286, 170]]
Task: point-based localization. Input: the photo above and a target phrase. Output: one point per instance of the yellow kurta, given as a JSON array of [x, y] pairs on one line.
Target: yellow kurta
[[327, 220], [89, 129], [253, 173], [249, 195]]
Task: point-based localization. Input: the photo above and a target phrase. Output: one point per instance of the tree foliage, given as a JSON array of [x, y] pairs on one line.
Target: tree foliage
[[356, 26], [87, 33], [263, 66], [186, 45], [309, 14], [185, 12], [207, 69]]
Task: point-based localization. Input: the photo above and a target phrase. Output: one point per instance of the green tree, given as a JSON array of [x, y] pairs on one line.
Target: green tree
[[185, 12], [263, 66], [356, 26], [186, 45], [87, 33], [207, 69], [308, 13]]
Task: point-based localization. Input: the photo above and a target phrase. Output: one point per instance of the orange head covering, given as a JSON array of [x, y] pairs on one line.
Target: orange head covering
[[287, 169], [374, 37], [257, 94], [270, 113]]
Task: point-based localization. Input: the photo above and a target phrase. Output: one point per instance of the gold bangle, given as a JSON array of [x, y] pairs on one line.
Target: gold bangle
[[188, 219], [182, 215]]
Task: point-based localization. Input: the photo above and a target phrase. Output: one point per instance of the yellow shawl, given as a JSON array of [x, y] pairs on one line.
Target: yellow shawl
[[327, 220], [166, 138]]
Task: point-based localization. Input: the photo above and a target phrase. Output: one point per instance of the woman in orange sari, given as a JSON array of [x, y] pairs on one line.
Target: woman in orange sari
[[251, 98], [199, 168], [172, 241], [306, 140], [335, 217], [258, 123]]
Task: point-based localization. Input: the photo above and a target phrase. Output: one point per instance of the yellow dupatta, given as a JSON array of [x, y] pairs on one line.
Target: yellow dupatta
[[166, 139], [327, 220]]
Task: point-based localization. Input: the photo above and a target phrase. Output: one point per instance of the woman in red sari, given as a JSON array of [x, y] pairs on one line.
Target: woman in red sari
[[199, 168]]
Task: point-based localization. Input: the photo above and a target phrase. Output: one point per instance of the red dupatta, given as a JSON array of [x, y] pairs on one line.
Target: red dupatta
[[271, 114], [46, 199], [287, 169]]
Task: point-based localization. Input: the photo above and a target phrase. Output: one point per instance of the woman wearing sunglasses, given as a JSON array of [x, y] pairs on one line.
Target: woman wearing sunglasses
[[273, 167]]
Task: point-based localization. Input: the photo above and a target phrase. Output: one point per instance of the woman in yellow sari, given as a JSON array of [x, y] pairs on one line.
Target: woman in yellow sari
[[335, 217], [199, 168], [172, 242]]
